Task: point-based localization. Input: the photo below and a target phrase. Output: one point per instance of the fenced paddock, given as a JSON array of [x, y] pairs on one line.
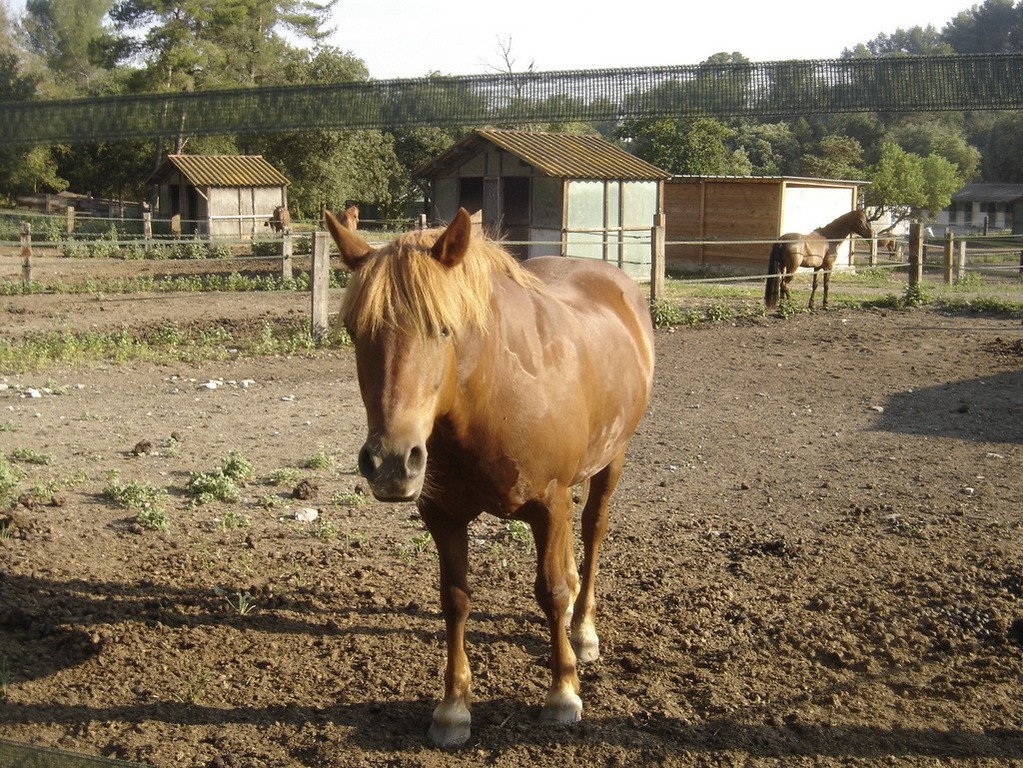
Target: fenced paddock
[[973, 264]]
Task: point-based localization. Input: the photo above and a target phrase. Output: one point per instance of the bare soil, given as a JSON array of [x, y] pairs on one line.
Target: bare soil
[[815, 559]]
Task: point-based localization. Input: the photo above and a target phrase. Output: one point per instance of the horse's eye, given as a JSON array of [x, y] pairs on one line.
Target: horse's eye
[[444, 332]]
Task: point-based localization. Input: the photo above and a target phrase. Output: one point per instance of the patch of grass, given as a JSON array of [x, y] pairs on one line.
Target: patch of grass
[[319, 460], [145, 499], [242, 602], [419, 545], [30, 456], [232, 519], [520, 533], [327, 531], [354, 498], [9, 477], [5, 678], [154, 518], [237, 467], [207, 487], [195, 688], [222, 483], [269, 501], [282, 476]]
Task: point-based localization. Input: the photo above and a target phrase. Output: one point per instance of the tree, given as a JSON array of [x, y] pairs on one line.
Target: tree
[[67, 35], [836, 157], [943, 135], [996, 26], [693, 146], [913, 41], [193, 44], [772, 148], [910, 186], [21, 170]]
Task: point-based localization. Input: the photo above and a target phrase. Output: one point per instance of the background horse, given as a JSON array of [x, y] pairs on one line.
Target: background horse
[[349, 217], [280, 220], [819, 249], [494, 386]]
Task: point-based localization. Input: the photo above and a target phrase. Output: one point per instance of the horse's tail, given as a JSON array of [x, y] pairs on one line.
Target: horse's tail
[[772, 288]]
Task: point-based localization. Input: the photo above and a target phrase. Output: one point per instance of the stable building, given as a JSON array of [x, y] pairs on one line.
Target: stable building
[[549, 193], [731, 222], [217, 196]]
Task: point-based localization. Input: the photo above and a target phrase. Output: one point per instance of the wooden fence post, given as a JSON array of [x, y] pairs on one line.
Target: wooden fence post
[[147, 230], [657, 258], [70, 219], [873, 251], [949, 249], [319, 283], [26, 253], [916, 254], [286, 254], [421, 224], [961, 271]]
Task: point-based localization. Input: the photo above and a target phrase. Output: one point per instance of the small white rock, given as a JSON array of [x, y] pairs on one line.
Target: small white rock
[[306, 515]]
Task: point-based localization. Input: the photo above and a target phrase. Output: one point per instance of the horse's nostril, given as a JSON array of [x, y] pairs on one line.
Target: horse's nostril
[[368, 463], [416, 460]]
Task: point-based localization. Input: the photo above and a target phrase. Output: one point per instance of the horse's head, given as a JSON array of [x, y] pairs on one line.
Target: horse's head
[[404, 308], [861, 224]]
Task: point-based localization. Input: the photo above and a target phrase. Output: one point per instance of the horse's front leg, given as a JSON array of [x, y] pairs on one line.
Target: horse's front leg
[[813, 289], [552, 530], [451, 718], [828, 264]]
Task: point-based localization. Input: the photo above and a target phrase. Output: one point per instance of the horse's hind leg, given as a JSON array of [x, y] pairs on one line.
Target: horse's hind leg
[[584, 630], [786, 278], [551, 522]]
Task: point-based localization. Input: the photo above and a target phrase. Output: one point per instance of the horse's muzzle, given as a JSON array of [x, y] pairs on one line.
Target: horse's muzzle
[[393, 474]]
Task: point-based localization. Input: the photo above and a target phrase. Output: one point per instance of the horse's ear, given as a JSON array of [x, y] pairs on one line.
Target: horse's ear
[[453, 243], [354, 250]]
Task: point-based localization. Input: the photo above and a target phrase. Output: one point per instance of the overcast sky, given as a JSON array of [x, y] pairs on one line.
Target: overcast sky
[[397, 38]]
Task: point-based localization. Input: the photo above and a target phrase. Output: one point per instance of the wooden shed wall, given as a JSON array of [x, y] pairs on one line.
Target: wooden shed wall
[[711, 209]]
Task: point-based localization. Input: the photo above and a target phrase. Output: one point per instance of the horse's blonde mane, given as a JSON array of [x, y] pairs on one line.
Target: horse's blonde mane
[[402, 285]]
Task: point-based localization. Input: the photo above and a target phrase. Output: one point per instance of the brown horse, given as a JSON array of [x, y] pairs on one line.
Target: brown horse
[[819, 249], [350, 217], [280, 220], [497, 386]]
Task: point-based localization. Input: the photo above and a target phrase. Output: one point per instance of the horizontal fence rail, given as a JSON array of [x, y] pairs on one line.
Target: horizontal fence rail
[[767, 89]]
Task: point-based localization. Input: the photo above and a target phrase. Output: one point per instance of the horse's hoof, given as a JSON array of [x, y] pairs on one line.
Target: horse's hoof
[[562, 707], [450, 728], [448, 736]]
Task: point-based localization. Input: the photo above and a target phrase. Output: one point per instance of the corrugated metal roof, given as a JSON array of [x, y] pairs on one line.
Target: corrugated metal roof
[[561, 155], [989, 193], [221, 171]]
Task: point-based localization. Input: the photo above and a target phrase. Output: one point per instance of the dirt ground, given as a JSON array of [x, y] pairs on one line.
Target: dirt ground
[[814, 559]]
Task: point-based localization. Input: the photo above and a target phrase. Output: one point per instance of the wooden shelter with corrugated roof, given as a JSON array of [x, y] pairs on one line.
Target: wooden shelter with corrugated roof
[[552, 194], [218, 196]]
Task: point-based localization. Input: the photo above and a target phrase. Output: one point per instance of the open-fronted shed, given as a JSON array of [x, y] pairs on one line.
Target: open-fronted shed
[[552, 194], [218, 196]]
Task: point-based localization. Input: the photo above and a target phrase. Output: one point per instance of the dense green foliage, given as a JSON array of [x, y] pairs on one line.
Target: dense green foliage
[[82, 48]]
